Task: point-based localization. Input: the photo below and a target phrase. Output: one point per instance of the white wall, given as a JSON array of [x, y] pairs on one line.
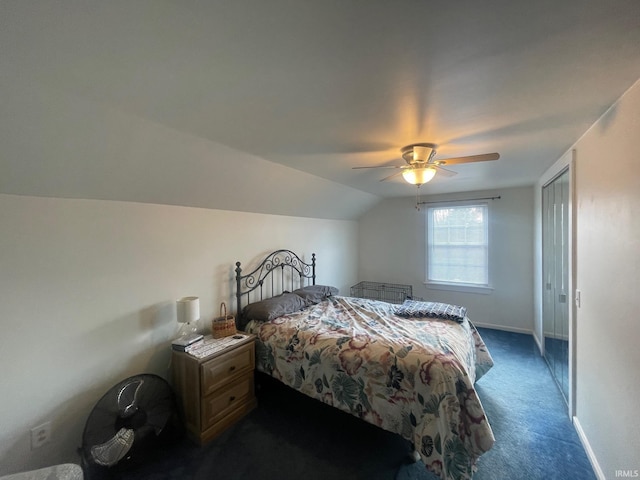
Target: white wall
[[608, 269], [392, 249], [87, 298]]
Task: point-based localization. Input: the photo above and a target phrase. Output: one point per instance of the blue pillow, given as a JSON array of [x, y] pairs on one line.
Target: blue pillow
[[414, 308]]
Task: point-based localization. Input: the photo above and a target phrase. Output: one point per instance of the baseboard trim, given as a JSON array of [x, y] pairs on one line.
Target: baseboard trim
[[539, 344], [503, 327], [587, 448]]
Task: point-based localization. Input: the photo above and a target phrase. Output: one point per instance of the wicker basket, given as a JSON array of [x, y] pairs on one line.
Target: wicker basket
[[224, 325]]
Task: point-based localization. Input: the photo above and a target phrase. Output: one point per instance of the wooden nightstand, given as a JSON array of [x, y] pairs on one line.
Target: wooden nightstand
[[217, 390]]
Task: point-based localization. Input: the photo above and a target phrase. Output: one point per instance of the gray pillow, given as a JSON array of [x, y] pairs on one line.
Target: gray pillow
[[313, 294], [273, 307]]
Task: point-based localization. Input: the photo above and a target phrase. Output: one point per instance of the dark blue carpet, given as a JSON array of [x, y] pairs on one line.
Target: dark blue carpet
[[290, 436], [535, 439]]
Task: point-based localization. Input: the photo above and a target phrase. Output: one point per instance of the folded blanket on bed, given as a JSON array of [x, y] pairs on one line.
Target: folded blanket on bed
[[414, 308]]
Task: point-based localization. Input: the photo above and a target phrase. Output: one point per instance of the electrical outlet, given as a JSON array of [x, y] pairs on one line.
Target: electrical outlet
[[40, 435]]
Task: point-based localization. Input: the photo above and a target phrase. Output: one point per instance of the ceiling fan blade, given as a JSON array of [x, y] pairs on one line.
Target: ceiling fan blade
[[379, 166], [472, 158], [390, 176], [445, 172]]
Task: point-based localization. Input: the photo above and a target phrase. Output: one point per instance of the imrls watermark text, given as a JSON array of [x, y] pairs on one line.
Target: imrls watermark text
[[627, 474]]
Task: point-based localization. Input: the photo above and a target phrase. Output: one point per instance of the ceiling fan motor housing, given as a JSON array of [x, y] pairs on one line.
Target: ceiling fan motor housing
[[418, 152]]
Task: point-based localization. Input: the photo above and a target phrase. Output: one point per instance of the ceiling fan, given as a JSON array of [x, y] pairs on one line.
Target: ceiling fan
[[422, 167]]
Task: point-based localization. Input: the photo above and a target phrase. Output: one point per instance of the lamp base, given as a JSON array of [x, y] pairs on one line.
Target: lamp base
[[188, 328]]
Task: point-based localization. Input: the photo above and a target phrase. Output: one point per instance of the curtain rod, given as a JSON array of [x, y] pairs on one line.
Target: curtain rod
[[462, 200]]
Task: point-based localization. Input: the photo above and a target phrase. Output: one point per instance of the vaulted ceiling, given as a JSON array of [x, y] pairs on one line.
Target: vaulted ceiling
[[325, 86]]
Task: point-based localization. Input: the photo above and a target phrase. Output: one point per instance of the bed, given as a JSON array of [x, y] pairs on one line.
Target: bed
[[409, 369]]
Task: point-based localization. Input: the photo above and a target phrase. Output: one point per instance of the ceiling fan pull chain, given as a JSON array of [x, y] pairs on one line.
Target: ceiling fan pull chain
[[418, 198]]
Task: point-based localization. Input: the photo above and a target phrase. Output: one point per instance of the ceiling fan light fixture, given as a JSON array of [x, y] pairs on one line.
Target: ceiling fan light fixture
[[418, 175]]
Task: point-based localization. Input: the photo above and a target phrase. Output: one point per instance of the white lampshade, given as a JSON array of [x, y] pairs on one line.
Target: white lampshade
[[418, 175], [188, 309]]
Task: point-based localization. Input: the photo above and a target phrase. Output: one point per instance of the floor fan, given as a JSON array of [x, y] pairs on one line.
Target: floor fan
[[129, 422]]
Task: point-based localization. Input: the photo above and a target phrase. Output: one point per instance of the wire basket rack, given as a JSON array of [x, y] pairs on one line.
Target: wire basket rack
[[386, 292]]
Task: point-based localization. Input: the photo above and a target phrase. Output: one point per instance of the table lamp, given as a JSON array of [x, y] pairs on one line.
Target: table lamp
[[188, 310]]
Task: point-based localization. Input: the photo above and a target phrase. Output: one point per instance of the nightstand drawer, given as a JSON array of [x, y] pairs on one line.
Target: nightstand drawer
[[219, 371], [223, 402]]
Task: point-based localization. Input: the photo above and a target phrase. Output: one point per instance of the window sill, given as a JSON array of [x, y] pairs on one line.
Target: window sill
[[458, 287]]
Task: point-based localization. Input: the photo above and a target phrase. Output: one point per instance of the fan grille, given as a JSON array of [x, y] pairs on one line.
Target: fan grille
[[129, 420]]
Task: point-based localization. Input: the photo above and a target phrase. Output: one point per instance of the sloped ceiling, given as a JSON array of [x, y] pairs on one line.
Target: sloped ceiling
[[175, 101]]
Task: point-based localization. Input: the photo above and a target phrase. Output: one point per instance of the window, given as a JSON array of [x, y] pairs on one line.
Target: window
[[458, 245]]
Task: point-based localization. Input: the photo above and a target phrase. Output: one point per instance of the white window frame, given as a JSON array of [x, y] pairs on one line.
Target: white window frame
[[458, 286]]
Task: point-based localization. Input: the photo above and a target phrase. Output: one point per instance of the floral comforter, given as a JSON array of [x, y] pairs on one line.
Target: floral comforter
[[409, 376]]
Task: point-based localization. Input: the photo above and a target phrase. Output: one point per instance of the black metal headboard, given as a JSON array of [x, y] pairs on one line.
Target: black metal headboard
[[293, 272]]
